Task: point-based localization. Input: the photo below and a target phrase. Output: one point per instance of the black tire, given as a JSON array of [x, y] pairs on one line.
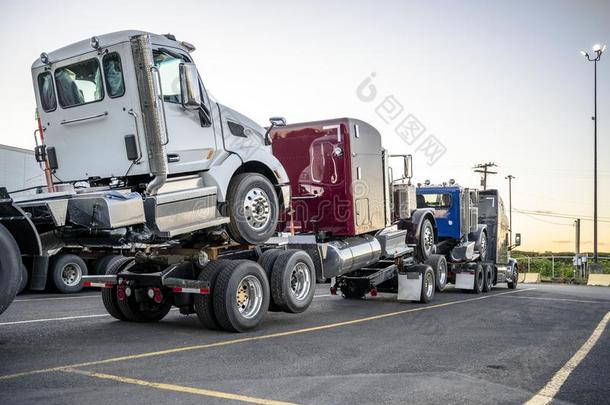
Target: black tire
[[488, 273], [109, 297], [441, 270], [267, 260], [229, 317], [104, 263], [351, 291], [293, 281], [515, 276], [425, 244], [204, 303], [428, 285], [149, 311], [67, 271], [10, 268], [479, 278], [482, 246], [25, 277], [259, 190]]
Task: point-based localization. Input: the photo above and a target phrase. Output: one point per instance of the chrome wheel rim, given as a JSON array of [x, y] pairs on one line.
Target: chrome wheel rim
[[483, 251], [257, 208], [428, 239], [442, 274], [249, 296], [428, 284], [71, 274], [300, 281]]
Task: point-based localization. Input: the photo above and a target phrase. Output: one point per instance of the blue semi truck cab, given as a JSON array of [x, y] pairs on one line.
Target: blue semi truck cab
[[473, 236]]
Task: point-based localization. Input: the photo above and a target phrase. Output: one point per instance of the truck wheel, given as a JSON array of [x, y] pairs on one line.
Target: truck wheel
[[479, 279], [515, 277], [67, 272], [439, 265], [104, 263], [241, 296], [10, 266], [148, 311], [109, 295], [425, 244], [267, 260], [481, 246], [352, 291], [253, 207], [293, 281], [204, 307], [428, 285], [488, 273], [25, 277]]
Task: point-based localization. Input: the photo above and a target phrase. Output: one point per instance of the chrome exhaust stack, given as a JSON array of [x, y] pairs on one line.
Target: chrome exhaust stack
[[152, 108]]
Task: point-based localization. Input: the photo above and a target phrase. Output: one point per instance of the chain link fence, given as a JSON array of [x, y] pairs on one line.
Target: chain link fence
[[560, 268]]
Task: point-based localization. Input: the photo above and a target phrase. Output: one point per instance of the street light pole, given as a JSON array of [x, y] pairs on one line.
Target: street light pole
[[598, 50], [510, 178]]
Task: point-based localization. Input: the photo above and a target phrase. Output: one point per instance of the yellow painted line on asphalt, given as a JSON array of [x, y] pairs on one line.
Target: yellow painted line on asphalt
[[548, 392], [178, 388], [256, 338]]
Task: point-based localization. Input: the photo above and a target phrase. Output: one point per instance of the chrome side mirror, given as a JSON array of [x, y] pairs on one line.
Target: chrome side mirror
[[190, 96], [517, 239], [408, 161]]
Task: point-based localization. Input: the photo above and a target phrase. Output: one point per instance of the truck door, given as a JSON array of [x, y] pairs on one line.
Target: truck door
[[87, 122], [191, 142]]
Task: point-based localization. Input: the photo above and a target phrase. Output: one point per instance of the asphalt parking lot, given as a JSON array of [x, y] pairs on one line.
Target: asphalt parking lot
[[502, 347]]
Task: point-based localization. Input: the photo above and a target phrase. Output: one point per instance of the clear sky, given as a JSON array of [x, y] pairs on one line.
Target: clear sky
[[492, 81]]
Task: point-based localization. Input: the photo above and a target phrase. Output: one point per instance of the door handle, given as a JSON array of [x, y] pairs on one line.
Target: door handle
[[173, 158]]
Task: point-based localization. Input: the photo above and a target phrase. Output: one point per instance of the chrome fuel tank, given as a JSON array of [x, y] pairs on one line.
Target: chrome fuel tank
[[343, 256]]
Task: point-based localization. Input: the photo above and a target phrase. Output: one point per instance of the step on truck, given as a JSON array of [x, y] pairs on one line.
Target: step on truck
[[473, 246], [138, 158]]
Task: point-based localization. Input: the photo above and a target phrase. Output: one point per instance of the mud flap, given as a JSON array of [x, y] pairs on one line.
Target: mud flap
[[40, 270], [464, 281], [409, 286]]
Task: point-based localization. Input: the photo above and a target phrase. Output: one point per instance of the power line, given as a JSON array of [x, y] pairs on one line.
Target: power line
[[559, 215]]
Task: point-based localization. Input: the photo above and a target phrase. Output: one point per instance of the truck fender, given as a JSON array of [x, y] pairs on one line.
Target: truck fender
[[220, 175], [20, 227], [476, 236], [413, 225]]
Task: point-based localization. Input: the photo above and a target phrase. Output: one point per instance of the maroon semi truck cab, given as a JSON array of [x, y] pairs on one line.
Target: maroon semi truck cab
[[336, 170]]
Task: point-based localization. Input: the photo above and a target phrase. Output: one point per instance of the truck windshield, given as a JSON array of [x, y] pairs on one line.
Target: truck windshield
[[80, 83]]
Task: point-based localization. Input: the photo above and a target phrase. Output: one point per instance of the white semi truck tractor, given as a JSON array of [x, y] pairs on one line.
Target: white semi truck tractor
[[129, 109]]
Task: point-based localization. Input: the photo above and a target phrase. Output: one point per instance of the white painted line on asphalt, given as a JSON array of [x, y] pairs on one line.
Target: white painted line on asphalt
[[548, 392], [80, 297], [65, 318], [71, 318], [560, 299]]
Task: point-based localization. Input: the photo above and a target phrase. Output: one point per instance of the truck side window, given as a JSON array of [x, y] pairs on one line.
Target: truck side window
[[169, 70], [47, 92], [79, 83], [113, 71]]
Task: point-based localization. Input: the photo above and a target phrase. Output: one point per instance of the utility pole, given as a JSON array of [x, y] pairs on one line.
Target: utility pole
[[510, 178], [577, 246], [598, 50], [483, 168]]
